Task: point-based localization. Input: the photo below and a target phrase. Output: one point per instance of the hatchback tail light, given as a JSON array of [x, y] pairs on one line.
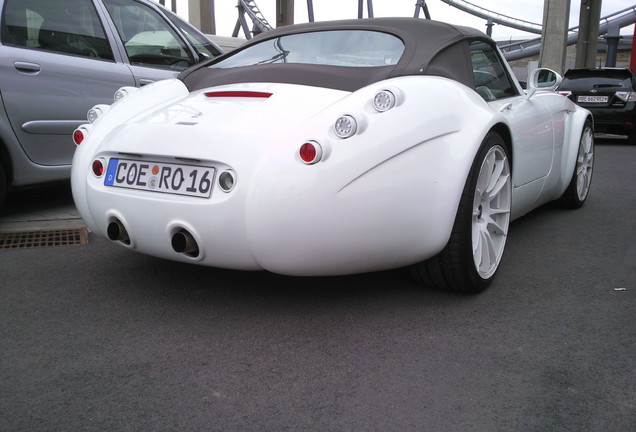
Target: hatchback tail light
[[626, 96]]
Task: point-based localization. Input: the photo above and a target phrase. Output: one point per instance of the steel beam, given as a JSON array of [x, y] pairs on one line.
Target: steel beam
[[586, 45], [612, 37], [284, 12], [201, 15], [554, 34]]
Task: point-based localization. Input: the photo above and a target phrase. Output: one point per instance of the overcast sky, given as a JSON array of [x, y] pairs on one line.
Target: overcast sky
[[528, 10]]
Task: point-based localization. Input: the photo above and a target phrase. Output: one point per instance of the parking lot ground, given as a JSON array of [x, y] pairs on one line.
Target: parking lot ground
[[41, 207], [97, 337]]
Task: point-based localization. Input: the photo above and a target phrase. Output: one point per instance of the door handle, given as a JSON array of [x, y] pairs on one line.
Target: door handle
[[506, 107], [145, 81], [31, 68]]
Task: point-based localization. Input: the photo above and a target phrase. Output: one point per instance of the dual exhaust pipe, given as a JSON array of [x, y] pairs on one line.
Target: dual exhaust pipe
[[182, 241], [117, 232]]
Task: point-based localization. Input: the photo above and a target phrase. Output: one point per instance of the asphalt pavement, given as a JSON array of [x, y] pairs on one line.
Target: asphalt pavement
[[99, 338]]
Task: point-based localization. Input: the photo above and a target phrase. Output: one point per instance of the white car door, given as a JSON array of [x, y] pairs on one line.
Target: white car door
[[530, 120], [532, 129]]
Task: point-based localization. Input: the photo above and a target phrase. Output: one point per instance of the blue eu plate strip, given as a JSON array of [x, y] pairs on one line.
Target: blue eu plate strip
[[111, 172]]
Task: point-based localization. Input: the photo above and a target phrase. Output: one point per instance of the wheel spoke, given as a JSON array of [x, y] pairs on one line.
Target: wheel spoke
[[490, 249], [500, 227], [484, 251], [495, 175], [499, 210], [498, 186], [477, 248], [485, 174]]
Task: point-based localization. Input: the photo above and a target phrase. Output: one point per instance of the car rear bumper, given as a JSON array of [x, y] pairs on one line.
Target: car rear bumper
[[292, 219], [294, 236], [620, 120]]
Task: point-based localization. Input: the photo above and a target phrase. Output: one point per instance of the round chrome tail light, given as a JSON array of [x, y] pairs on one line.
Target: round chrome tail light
[[383, 101], [124, 92], [78, 136], [98, 167], [346, 126], [310, 152], [96, 112]]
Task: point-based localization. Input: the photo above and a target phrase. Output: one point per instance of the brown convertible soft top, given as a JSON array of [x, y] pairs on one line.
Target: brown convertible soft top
[[431, 48]]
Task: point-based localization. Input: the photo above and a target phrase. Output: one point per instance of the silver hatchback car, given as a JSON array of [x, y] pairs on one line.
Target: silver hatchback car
[[60, 58]]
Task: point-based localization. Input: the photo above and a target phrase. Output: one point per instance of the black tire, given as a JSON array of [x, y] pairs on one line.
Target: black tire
[[577, 191], [3, 185], [455, 268], [631, 138]]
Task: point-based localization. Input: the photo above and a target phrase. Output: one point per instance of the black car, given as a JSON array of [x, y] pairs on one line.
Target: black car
[[609, 93]]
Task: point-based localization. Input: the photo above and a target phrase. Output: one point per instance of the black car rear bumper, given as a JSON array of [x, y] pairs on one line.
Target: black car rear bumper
[[619, 120]]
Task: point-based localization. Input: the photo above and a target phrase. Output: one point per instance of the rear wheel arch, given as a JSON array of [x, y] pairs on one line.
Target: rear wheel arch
[[503, 131], [470, 259]]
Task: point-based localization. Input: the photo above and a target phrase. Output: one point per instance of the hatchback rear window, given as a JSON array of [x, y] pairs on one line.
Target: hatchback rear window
[[599, 78]]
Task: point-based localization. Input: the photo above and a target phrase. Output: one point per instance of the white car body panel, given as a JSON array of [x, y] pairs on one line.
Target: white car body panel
[[280, 205], [335, 148]]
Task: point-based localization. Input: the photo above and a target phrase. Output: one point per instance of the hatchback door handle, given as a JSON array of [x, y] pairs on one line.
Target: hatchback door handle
[[32, 68]]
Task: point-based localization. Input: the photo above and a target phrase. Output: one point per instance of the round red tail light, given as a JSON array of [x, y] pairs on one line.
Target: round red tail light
[[310, 152], [98, 167], [78, 137]]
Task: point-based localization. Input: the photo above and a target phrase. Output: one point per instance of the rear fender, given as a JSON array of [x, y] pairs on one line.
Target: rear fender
[[576, 122]]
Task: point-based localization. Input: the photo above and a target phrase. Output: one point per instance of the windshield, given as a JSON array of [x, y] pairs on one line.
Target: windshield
[[353, 48]]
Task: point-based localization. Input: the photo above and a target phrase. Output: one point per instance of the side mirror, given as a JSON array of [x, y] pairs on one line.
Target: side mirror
[[543, 80], [202, 57]]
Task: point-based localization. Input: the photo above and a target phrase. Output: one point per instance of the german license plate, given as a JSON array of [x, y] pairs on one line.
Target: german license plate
[[169, 178], [592, 99]]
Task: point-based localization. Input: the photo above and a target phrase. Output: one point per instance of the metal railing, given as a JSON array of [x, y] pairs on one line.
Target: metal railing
[[496, 17], [527, 48], [259, 23]]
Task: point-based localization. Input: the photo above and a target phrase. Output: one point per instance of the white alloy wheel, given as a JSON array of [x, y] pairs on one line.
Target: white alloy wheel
[[491, 211], [470, 260], [585, 164], [579, 187]]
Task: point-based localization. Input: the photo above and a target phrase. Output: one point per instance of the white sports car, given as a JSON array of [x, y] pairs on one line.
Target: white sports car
[[335, 148]]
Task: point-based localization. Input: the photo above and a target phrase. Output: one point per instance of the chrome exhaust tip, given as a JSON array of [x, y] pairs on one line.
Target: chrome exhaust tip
[[183, 242], [117, 232]]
